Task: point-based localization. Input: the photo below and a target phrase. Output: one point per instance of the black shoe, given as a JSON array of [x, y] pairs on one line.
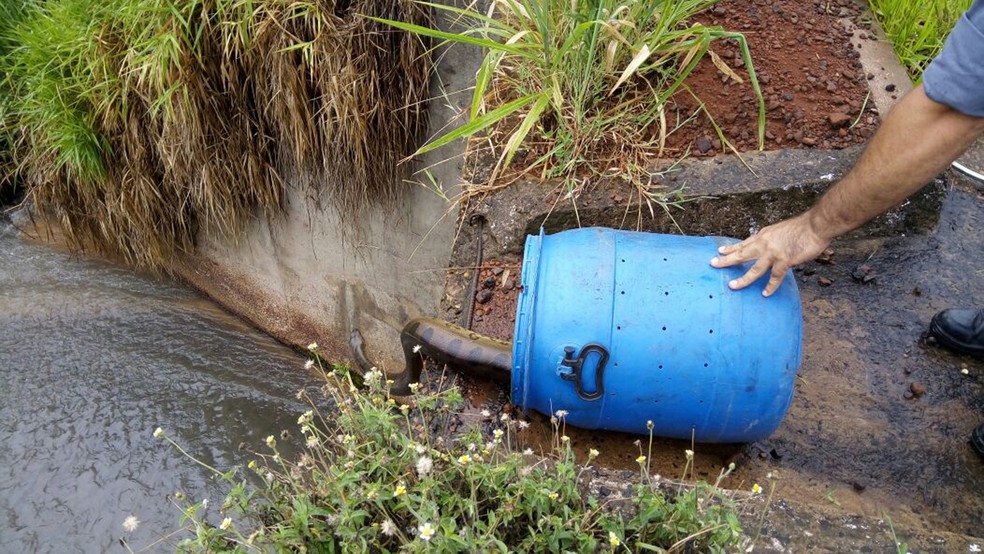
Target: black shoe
[[977, 439], [959, 329]]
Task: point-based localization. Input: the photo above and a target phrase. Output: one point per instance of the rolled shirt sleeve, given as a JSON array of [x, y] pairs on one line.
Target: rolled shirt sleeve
[[956, 77]]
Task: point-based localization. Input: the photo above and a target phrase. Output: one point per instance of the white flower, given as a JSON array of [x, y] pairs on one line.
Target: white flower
[[313, 346], [158, 433], [420, 449], [309, 364], [226, 524], [593, 453], [486, 413], [204, 503], [504, 418], [689, 453], [424, 465], [974, 548], [528, 452], [131, 523], [416, 348], [306, 418], [312, 442], [426, 531], [497, 433], [966, 371], [561, 413], [388, 528], [269, 476], [523, 424], [270, 441]]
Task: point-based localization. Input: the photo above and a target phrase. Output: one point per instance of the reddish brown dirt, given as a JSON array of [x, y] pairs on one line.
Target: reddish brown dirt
[[808, 69]]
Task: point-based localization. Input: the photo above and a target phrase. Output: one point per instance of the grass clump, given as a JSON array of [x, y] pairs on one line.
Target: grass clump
[[138, 124], [580, 88], [379, 477], [918, 29]]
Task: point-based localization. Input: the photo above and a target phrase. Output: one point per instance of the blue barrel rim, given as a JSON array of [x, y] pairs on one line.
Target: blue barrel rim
[[523, 330]]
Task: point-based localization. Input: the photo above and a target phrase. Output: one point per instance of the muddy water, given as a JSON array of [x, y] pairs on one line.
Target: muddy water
[[93, 358], [855, 440]]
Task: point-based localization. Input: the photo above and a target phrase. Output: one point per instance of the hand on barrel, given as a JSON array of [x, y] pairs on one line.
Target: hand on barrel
[[777, 248]]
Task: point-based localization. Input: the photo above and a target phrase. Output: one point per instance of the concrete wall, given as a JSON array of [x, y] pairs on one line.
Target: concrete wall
[[314, 275]]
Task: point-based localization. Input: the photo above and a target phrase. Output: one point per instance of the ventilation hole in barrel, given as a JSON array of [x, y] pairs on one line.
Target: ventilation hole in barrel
[[664, 259], [623, 260], [701, 401], [705, 365], [619, 327], [655, 401], [711, 296], [710, 332], [623, 292], [661, 366], [615, 364], [667, 293], [664, 327]]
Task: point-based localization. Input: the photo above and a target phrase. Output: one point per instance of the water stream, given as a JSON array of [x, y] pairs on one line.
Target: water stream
[[94, 357]]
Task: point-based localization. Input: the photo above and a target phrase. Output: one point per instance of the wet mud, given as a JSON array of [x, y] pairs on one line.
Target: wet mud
[[878, 427]]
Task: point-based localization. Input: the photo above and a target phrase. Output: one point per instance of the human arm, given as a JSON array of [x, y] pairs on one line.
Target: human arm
[[916, 141]]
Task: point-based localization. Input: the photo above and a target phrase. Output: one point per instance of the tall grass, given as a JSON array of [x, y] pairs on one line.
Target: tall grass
[[918, 29], [141, 123], [582, 87]]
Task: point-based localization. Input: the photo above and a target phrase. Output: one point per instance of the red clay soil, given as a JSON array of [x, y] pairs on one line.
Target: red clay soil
[[808, 69]]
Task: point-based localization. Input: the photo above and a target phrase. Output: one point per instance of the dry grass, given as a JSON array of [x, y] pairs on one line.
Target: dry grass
[[173, 118]]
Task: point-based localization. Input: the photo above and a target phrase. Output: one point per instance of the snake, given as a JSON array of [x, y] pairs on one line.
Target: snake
[[443, 343]]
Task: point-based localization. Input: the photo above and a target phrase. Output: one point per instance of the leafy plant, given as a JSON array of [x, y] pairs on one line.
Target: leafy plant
[[918, 29], [582, 87], [382, 477]]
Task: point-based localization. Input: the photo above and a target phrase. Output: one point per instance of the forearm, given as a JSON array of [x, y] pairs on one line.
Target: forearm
[[917, 140]]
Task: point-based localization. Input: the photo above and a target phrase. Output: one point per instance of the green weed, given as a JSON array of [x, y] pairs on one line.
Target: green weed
[[381, 477], [918, 29], [581, 87]]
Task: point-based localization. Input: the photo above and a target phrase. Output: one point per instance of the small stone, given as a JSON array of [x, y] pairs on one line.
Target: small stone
[[488, 283], [509, 285], [870, 76], [917, 388], [824, 282], [497, 271], [704, 144], [788, 97], [809, 141], [483, 296], [838, 119], [826, 257], [890, 87]]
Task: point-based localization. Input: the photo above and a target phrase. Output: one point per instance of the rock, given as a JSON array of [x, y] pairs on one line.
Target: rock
[[824, 282], [838, 119], [483, 296], [826, 257], [917, 388], [496, 271], [809, 141], [704, 144], [488, 283], [509, 285], [863, 273], [890, 87]]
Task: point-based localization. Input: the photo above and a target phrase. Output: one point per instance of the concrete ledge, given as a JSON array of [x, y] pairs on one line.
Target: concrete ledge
[[724, 197]]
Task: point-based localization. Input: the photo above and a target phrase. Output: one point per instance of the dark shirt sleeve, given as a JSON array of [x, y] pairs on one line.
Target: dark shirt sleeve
[[956, 77]]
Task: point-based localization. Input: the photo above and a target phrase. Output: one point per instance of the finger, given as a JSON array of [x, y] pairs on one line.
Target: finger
[[735, 257], [751, 275], [733, 247], [778, 274]]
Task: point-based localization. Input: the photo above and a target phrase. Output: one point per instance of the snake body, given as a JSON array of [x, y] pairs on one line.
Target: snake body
[[444, 343]]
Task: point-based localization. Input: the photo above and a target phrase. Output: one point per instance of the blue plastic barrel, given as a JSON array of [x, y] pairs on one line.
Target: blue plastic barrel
[[619, 328]]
